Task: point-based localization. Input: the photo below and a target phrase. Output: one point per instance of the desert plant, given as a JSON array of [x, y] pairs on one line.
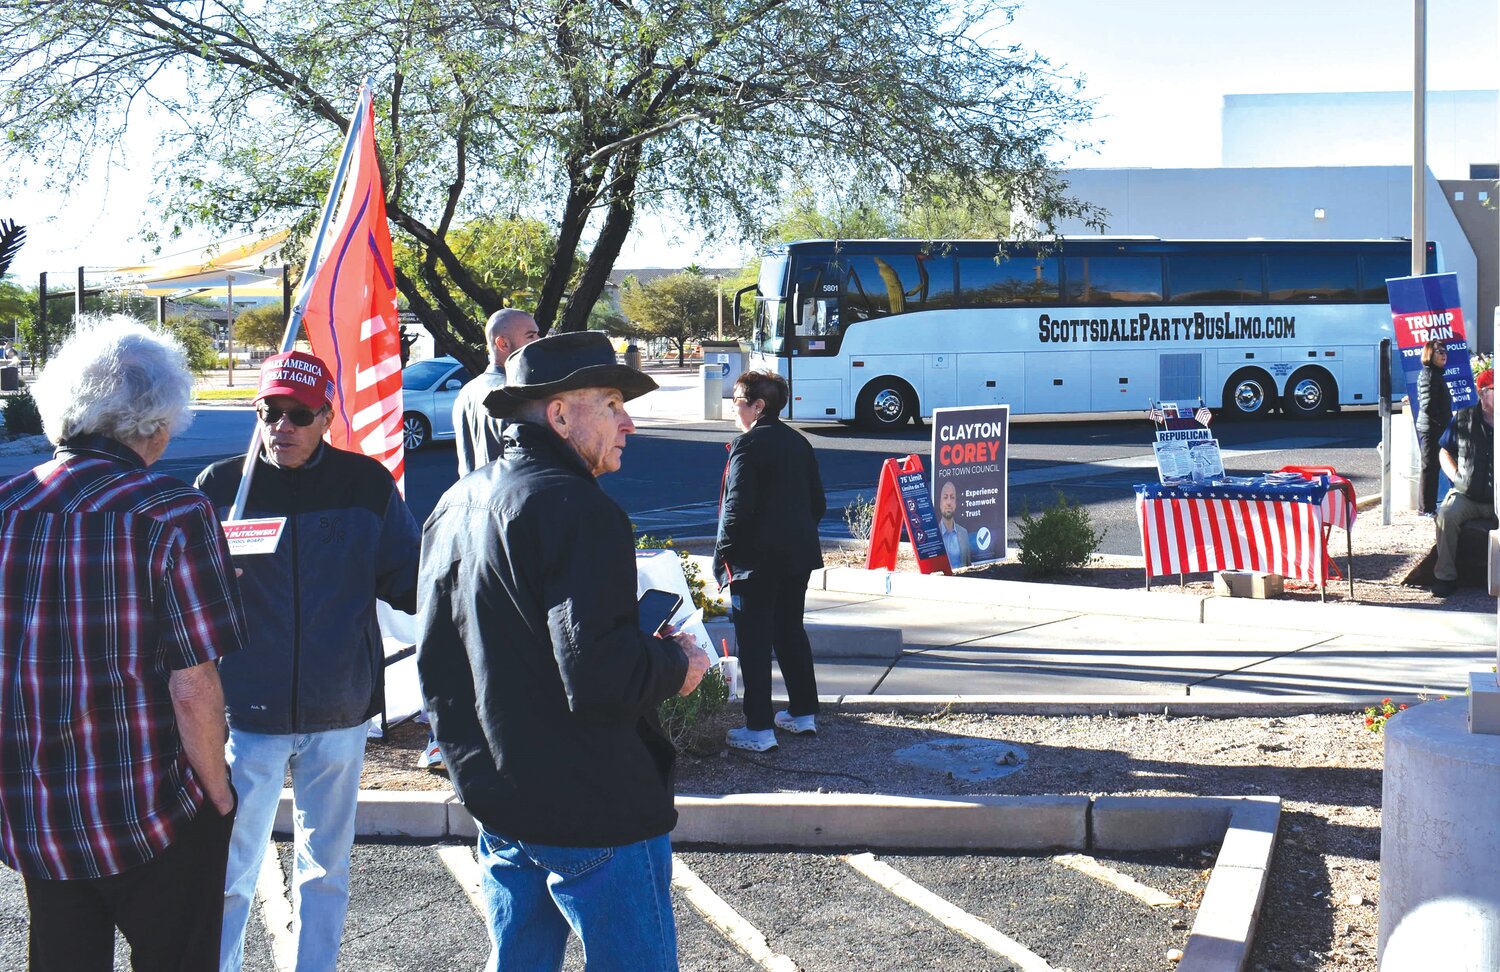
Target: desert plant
[[697, 584], [1061, 539], [21, 415], [688, 719], [859, 517]]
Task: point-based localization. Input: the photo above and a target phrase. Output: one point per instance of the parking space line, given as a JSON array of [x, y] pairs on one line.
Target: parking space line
[[1084, 864], [946, 912], [465, 870], [276, 910], [726, 921]]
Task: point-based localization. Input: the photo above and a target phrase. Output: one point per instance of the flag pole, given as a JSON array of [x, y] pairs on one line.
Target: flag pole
[[304, 292]]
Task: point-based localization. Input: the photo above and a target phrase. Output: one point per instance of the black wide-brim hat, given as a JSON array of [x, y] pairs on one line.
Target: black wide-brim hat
[[560, 363]]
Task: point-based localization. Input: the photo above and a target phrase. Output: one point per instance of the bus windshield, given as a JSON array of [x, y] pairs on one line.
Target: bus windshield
[[768, 333]]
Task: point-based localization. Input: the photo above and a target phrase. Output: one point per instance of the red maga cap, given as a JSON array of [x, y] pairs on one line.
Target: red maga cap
[[1486, 379], [299, 375]]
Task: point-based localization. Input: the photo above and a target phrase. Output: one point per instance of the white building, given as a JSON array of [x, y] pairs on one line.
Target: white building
[[1328, 166]]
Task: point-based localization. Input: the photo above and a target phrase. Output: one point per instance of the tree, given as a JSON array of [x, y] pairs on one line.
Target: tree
[[260, 327], [196, 339], [582, 113], [679, 308], [11, 238]]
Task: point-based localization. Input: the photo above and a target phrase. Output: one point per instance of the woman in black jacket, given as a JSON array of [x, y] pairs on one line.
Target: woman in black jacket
[[767, 546], [1434, 412]]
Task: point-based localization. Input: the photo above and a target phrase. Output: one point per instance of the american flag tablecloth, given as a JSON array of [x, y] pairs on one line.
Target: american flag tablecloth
[[1276, 528]]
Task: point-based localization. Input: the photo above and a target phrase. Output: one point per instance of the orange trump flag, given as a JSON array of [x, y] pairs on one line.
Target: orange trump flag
[[351, 313]]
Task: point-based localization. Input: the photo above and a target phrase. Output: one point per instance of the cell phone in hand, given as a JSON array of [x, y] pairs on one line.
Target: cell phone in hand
[[657, 608]]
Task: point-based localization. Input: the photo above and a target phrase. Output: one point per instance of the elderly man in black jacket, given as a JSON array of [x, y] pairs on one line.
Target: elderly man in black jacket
[[541, 687]]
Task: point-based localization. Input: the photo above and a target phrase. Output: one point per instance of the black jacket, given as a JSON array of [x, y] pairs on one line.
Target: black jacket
[[541, 688], [770, 506], [315, 660], [1434, 402]]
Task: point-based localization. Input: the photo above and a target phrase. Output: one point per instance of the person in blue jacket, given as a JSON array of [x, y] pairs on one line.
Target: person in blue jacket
[[299, 697]]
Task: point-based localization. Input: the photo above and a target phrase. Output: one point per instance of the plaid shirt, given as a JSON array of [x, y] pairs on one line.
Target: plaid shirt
[[111, 578]]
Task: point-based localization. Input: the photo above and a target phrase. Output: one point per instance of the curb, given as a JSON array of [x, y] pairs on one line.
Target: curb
[[1222, 931], [1105, 705], [1358, 619]]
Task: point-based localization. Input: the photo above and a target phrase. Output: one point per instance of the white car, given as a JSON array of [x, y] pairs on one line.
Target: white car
[[428, 389]]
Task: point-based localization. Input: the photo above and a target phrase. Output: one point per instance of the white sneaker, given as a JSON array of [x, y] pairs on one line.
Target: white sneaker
[[797, 725], [431, 758], [754, 740]]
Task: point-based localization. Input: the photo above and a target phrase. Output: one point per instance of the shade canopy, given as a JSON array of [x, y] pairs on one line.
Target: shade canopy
[[209, 272]]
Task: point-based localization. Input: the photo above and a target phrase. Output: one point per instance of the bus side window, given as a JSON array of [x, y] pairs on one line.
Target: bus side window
[[875, 286], [1114, 279], [1376, 269], [1018, 279], [1311, 276], [1215, 278]]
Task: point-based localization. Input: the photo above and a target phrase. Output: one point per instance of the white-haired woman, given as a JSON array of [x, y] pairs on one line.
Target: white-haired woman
[[116, 599], [117, 378]]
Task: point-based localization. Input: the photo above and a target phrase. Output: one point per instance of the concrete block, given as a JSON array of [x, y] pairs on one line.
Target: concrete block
[[1151, 823], [1251, 837], [857, 580], [460, 823], [1225, 925], [865, 820], [1484, 703], [852, 640], [1248, 583], [1439, 900], [283, 823], [387, 813]]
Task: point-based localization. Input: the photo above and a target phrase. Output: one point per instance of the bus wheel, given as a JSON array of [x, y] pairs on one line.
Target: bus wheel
[[1248, 393], [886, 403], [1310, 393]]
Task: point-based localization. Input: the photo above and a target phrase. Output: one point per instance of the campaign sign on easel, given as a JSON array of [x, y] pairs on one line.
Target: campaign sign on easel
[[903, 502], [969, 450], [1423, 309]]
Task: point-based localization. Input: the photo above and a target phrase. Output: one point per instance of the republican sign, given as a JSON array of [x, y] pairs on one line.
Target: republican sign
[[969, 466], [1426, 309]]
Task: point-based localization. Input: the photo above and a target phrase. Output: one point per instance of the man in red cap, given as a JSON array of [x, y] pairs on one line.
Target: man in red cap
[[300, 695], [1468, 458]]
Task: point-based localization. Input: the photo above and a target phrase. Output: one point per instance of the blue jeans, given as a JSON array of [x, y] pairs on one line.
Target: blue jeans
[[617, 899], [325, 792]]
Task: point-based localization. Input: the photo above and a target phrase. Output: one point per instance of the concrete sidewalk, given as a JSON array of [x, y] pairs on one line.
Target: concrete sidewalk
[[966, 638]]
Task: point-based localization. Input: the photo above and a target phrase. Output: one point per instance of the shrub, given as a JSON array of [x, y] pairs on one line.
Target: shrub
[[697, 583], [688, 719], [21, 415], [859, 516], [1061, 539]]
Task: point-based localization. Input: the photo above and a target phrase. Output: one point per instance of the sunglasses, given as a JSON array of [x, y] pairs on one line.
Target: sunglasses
[[301, 417]]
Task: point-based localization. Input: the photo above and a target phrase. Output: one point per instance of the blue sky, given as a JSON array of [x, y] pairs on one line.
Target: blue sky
[[1158, 70]]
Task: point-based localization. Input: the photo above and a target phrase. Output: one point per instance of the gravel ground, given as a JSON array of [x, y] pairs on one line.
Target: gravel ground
[[1320, 909]]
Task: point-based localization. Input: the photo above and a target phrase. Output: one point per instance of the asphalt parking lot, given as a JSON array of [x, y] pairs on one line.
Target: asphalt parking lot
[[817, 912]]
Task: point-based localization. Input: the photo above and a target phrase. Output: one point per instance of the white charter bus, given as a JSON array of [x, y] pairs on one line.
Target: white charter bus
[[883, 331]]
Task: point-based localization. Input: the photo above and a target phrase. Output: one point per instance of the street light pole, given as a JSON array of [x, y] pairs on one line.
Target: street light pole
[[719, 301]]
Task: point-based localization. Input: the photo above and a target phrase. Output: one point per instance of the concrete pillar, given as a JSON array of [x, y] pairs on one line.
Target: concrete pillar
[[1440, 829], [712, 376]]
